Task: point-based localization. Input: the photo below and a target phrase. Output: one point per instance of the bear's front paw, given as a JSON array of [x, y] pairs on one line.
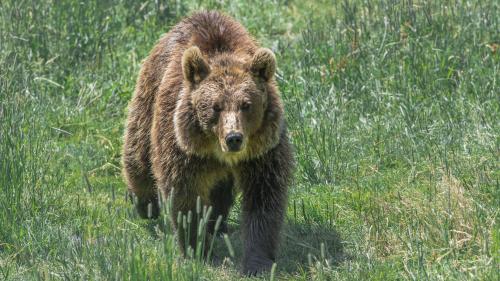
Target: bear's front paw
[[256, 266], [147, 208], [222, 230]]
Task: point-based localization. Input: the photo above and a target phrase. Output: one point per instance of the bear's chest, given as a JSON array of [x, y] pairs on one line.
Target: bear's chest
[[208, 179]]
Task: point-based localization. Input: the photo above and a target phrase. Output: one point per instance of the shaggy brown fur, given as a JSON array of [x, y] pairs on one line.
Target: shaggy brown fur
[[206, 120]]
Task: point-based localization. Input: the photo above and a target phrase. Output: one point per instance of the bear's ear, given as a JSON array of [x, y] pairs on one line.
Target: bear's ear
[[194, 66], [263, 64]]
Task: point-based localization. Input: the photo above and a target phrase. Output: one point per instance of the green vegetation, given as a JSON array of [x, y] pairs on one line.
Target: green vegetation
[[393, 108]]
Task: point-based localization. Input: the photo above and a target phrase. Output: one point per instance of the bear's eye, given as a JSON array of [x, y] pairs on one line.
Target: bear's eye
[[217, 108], [245, 106]]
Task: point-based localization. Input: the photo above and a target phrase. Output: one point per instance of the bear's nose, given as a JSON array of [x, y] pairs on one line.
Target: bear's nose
[[233, 141]]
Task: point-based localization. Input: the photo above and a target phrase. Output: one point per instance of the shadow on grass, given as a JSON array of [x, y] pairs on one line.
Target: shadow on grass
[[297, 243], [301, 240]]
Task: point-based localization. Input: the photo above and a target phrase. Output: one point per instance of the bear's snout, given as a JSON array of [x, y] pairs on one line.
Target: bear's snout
[[234, 141]]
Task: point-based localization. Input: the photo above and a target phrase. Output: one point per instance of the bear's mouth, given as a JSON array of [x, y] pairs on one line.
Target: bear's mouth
[[225, 155], [225, 149]]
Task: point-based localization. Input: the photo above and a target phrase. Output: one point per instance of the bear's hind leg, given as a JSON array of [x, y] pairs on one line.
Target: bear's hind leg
[[142, 185]]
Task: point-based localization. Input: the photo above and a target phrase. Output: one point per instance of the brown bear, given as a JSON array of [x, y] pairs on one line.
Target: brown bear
[[206, 120]]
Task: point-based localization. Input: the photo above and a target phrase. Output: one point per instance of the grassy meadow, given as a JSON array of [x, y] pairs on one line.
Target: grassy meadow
[[393, 108]]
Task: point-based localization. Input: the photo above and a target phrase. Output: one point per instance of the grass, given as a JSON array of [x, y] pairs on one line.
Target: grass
[[393, 109]]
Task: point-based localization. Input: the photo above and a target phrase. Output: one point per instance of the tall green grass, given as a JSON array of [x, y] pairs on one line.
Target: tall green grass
[[393, 109]]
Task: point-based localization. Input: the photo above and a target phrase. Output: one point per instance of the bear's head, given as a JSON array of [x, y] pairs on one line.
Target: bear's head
[[229, 107]]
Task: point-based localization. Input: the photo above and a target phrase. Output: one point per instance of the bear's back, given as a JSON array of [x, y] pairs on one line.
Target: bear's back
[[213, 32], [216, 33]]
